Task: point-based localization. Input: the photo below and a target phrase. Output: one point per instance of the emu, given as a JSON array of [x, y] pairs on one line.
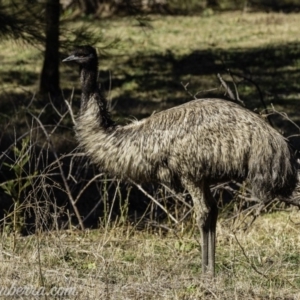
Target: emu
[[195, 144]]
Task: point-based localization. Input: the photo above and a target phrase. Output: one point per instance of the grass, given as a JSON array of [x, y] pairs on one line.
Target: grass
[[148, 68], [148, 65], [125, 263]]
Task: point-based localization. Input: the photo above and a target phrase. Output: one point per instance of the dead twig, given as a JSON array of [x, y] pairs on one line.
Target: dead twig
[[154, 200], [261, 96], [68, 191]]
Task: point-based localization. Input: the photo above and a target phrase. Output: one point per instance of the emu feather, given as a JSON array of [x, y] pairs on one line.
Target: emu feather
[[194, 144]]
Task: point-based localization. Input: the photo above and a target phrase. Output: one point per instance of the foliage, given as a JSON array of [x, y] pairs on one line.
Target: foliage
[[205, 7], [16, 188], [21, 20]]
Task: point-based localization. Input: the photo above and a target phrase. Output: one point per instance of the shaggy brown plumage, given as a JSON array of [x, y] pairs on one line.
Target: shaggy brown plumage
[[199, 142]]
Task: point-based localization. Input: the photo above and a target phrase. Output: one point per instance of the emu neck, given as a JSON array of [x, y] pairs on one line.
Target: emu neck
[[88, 78], [93, 101]]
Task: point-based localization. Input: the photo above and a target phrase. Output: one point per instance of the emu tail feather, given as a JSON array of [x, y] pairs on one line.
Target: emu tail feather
[[273, 169]]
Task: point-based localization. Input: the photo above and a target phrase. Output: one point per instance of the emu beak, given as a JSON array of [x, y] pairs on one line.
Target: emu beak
[[70, 58]]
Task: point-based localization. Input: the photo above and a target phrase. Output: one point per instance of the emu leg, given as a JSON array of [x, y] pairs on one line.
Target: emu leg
[[211, 223], [206, 212]]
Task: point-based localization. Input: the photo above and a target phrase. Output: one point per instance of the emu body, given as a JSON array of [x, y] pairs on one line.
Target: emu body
[[194, 144]]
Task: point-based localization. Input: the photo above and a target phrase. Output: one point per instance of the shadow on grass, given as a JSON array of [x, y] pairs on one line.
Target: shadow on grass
[[22, 78], [275, 69], [148, 83]]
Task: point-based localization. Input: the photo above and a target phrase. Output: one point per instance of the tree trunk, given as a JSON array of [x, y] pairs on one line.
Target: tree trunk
[[89, 7], [212, 3], [49, 83]]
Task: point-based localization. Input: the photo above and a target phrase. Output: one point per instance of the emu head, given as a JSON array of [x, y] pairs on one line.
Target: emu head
[[83, 55]]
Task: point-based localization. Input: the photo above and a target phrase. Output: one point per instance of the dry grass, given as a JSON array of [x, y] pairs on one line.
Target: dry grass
[[124, 263], [183, 35]]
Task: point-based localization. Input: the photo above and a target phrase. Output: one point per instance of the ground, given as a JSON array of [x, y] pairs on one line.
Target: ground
[[260, 261]]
